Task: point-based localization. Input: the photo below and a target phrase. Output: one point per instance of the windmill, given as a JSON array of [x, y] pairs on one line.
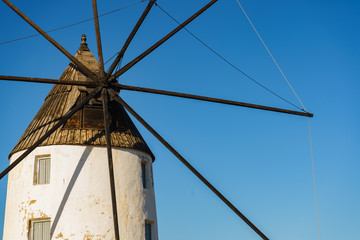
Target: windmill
[[105, 89]]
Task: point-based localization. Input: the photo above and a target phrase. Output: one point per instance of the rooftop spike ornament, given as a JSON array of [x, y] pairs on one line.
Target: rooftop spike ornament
[[83, 45], [82, 122]]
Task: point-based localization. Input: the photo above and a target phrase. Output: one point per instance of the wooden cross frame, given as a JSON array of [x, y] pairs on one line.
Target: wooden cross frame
[[106, 85]]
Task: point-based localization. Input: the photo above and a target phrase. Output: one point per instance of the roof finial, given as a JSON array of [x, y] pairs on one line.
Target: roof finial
[[83, 39], [83, 45]]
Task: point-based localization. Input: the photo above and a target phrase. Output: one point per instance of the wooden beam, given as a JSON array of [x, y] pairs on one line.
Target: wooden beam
[[105, 99], [189, 166], [81, 66], [68, 115], [98, 39], [129, 39], [47, 80], [164, 39], [210, 99]]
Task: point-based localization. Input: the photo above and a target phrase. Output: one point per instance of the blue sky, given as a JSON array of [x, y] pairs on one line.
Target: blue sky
[[259, 160]]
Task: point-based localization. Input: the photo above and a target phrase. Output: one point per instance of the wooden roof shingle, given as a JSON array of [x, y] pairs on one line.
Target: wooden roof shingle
[[86, 126]]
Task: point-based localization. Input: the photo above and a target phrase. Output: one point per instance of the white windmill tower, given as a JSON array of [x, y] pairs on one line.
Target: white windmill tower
[[61, 190]]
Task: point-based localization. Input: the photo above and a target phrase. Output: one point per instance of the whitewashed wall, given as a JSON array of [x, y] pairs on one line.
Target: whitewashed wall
[[78, 199]]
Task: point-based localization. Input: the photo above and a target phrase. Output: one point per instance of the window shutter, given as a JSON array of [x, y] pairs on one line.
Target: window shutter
[[41, 230], [47, 170], [147, 231], [37, 233], [143, 174], [46, 230], [42, 166], [43, 170]]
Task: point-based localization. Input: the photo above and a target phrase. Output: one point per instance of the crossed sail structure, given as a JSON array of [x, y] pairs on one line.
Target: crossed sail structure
[[83, 122]]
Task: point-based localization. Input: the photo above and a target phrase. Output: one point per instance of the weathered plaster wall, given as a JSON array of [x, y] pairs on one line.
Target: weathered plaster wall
[[78, 199]]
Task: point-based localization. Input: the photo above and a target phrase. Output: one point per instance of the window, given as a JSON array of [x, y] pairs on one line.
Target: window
[[147, 231], [42, 169], [40, 229], [143, 173]]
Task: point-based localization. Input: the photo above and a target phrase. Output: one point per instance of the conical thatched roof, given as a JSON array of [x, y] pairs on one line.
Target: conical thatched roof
[[86, 127]]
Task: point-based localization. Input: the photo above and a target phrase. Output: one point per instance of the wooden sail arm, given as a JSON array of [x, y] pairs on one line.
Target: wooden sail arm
[[63, 120], [47, 80], [189, 166], [105, 100], [129, 39], [98, 39], [161, 41], [81, 66], [210, 99]]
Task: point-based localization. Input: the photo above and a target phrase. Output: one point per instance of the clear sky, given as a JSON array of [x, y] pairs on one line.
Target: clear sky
[[259, 160]]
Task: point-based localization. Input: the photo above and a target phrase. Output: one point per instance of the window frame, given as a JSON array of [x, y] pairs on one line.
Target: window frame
[[37, 169], [150, 224], [38, 220], [144, 174]]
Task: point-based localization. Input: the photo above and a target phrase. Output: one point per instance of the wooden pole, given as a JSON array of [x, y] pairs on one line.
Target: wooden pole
[[68, 115], [129, 39], [46, 80], [189, 166], [210, 99], [98, 39], [89, 74], [164, 39], [110, 161]]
